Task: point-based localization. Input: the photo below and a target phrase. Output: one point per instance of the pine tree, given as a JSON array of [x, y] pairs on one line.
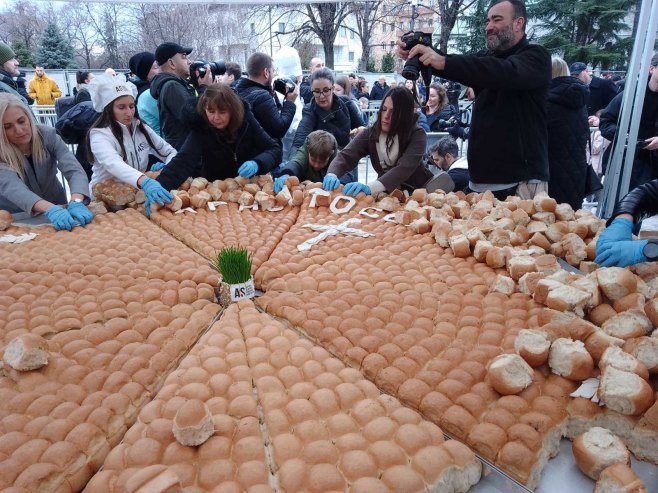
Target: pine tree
[[23, 54], [584, 30], [53, 51], [388, 62], [473, 39]]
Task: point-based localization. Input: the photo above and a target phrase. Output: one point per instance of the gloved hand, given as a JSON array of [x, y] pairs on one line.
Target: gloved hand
[[158, 166], [279, 182], [248, 169], [620, 253], [80, 213], [155, 192], [355, 188], [60, 218], [619, 230], [454, 131], [330, 182]]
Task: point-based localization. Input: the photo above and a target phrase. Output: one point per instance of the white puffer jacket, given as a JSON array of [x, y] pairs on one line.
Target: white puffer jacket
[[108, 162]]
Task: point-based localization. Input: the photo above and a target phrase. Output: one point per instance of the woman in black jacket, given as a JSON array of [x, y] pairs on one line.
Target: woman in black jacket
[[441, 115], [229, 143], [326, 111], [568, 134]]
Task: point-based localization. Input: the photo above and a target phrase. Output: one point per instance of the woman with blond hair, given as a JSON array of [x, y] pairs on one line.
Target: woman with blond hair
[[568, 135], [440, 114], [30, 156], [231, 142]]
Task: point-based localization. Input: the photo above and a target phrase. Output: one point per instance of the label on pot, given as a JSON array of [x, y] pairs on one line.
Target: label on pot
[[242, 291]]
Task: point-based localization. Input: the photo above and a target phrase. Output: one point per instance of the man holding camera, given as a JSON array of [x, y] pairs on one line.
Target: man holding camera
[[256, 89], [508, 150], [176, 97], [645, 165]]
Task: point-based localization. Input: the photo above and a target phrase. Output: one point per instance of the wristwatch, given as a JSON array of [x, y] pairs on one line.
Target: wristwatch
[[650, 250]]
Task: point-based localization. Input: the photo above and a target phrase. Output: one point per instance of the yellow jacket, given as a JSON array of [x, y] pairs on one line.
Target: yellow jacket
[[44, 90]]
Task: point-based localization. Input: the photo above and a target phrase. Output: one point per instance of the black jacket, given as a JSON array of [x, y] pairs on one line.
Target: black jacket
[[640, 202], [343, 117], [601, 92], [207, 153], [568, 135], [377, 92], [274, 118], [9, 85], [508, 138], [82, 95], [434, 119], [305, 91], [177, 106]]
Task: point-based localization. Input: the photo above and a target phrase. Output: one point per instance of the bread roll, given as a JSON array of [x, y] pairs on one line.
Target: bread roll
[[651, 311], [597, 449], [624, 325], [645, 350], [26, 352], [503, 284], [598, 342], [617, 358], [5, 220], [570, 359], [619, 478], [509, 374], [193, 423], [533, 346], [154, 479], [625, 392], [616, 282]]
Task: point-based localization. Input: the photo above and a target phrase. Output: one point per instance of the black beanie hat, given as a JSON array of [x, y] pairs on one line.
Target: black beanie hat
[[140, 64]]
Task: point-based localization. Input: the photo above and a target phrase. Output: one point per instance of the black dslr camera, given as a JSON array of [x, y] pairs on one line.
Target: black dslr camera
[[216, 68], [283, 85], [413, 68]]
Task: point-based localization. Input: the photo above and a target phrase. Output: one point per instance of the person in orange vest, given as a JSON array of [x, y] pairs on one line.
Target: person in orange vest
[[43, 89]]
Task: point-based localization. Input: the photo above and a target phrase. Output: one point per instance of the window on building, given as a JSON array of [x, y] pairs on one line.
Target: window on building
[[253, 28], [282, 27], [343, 32], [392, 44], [350, 56], [351, 34]]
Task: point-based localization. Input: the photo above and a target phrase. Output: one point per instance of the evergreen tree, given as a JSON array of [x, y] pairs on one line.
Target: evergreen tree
[[584, 30], [473, 40], [23, 54], [388, 62], [53, 51]]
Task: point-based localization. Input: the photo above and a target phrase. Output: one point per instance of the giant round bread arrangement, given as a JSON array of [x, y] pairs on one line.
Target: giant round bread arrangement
[[399, 343]]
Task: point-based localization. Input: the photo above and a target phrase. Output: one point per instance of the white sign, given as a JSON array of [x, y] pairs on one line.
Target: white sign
[[243, 291]]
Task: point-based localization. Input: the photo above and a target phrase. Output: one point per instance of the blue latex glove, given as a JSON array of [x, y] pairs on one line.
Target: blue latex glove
[[60, 218], [355, 188], [80, 213], [619, 230], [330, 182], [279, 182], [620, 253], [248, 169], [158, 166], [155, 192]]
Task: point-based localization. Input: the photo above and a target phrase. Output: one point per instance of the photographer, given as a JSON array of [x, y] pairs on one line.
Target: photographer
[[508, 151], [256, 89], [176, 98], [440, 113]]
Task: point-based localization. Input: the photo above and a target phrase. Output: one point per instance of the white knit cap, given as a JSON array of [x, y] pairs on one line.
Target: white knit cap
[[105, 89]]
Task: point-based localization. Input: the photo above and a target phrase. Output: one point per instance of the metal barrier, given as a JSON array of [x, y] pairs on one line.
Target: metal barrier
[[45, 115]]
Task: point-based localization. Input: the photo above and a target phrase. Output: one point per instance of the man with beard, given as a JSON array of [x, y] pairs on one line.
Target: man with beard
[[508, 150], [9, 70], [256, 89]]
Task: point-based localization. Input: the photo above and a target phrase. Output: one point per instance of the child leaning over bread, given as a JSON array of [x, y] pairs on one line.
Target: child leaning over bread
[[311, 161]]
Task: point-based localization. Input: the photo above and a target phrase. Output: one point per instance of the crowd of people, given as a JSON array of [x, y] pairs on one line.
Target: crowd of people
[[529, 130]]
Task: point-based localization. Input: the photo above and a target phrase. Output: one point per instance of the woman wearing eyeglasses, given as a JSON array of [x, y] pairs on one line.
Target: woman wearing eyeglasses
[[326, 111]]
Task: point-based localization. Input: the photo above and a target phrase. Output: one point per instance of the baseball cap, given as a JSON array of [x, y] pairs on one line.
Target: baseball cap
[[577, 67], [167, 50]]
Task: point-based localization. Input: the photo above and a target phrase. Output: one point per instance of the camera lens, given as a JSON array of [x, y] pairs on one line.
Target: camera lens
[[411, 69]]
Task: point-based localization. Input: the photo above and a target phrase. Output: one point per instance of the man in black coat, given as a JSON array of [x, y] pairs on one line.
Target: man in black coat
[[256, 89], [379, 88], [507, 152], [176, 98], [305, 87], [601, 91], [645, 165]]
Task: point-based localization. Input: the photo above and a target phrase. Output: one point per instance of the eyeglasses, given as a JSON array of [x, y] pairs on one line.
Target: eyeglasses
[[324, 92]]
